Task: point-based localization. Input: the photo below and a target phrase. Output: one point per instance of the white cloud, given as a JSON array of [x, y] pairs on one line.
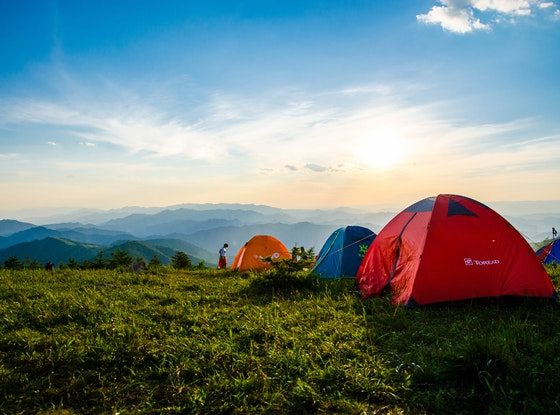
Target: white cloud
[[9, 156], [511, 7], [453, 19], [52, 143], [463, 16], [316, 167], [87, 144]]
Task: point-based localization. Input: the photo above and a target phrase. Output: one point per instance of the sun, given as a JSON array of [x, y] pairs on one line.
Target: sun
[[382, 150]]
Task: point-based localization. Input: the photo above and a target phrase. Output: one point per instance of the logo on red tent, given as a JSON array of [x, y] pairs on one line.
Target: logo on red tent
[[470, 262]]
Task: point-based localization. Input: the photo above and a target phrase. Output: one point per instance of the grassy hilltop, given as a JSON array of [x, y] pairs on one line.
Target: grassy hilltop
[[214, 342]]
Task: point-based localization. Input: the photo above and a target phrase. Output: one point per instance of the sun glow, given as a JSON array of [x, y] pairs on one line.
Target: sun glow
[[382, 150]]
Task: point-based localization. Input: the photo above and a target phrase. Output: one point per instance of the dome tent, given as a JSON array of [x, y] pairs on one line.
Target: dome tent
[[343, 252], [250, 256], [448, 248], [550, 253]]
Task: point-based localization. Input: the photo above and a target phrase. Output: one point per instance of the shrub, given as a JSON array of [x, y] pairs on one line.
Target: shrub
[[554, 271], [31, 264], [73, 264], [289, 274]]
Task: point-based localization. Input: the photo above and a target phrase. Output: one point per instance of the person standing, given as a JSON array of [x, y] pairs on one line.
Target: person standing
[[222, 262]]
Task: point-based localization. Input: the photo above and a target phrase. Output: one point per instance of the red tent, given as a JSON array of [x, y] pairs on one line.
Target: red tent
[[449, 248]]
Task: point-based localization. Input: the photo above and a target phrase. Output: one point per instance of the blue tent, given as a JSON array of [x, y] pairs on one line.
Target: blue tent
[[343, 252], [550, 253]]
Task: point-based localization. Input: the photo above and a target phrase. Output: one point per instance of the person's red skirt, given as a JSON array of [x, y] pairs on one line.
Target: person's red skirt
[[222, 262]]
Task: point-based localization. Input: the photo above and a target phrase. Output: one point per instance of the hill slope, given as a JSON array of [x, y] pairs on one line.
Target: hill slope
[[87, 342], [183, 246], [147, 251], [9, 226], [59, 250], [56, 250]]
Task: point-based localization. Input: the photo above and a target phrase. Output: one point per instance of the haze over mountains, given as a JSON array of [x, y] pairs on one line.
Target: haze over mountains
[[199, 230]]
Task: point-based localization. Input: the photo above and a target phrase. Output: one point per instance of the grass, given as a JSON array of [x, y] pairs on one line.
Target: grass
[[216, 342]]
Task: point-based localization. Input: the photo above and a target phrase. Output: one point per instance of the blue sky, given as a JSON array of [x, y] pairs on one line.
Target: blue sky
[[287, 103]]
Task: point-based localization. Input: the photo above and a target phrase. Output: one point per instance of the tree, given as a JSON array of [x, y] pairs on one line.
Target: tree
[[73, 264], [99, 262], [154, 263], [13, 263], [120, 259], [181, 260], [31, 264]]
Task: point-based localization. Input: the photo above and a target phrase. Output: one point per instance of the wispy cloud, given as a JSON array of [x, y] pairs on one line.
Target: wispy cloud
[[52, 143], [9, 156], [338, 132], [316, 167], [515, 160], [464, 16]]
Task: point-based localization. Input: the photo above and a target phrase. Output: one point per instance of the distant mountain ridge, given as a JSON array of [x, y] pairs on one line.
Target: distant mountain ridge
[[79, 234], [10, 226], [97, 216], [273, 214], [174, 221], [299, 234]]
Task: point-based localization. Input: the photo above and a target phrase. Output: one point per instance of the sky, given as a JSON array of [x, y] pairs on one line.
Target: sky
[[294, 104]]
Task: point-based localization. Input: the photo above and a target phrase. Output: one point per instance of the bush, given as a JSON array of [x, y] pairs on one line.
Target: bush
[[31, 264], [281, 280], [73, 264], [554, 271], [289, 274]]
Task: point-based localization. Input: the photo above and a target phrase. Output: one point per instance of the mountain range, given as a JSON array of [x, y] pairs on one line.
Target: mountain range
[[60, 250], [9, 227], [88, 235], [200, 230]]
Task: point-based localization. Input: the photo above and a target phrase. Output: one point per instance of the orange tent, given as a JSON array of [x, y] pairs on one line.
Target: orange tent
[[251, 254]]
